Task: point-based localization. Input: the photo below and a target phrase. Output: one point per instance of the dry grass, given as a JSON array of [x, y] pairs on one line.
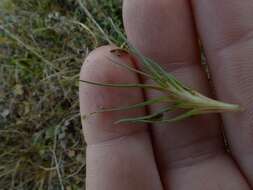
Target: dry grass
[[42, 47]]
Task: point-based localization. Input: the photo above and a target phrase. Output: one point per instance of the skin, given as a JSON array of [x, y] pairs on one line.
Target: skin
[[186, 155]]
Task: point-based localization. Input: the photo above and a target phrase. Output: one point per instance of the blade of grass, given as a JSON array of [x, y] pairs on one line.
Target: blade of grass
[[88, 30], [127, 85], [142, 104], [176, 119], [143, 118], [29, 48], [87, 12], [130, 68]]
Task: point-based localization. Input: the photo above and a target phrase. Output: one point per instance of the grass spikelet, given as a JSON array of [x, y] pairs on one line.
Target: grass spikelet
[[177, 97]]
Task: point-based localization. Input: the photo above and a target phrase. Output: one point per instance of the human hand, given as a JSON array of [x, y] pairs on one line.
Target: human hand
[[189, 154]]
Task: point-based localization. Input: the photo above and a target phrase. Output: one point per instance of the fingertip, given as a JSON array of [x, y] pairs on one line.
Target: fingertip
[[98, 67]]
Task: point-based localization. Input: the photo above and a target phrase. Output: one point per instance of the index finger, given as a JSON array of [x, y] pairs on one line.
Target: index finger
[[119, 157]]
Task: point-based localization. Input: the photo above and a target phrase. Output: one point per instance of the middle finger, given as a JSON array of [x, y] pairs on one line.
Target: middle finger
[[164, 31]]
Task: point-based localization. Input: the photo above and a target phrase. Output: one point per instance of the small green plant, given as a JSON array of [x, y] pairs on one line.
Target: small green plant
[[176, 96]]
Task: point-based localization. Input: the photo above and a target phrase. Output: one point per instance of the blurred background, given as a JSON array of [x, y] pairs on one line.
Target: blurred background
[[42, 46]]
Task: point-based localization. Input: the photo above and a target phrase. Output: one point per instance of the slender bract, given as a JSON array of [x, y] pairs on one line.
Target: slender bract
[[176, 97]]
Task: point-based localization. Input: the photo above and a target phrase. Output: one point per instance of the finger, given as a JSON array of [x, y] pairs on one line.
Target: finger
[[118, 156], [163, 30], [226, 29]]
